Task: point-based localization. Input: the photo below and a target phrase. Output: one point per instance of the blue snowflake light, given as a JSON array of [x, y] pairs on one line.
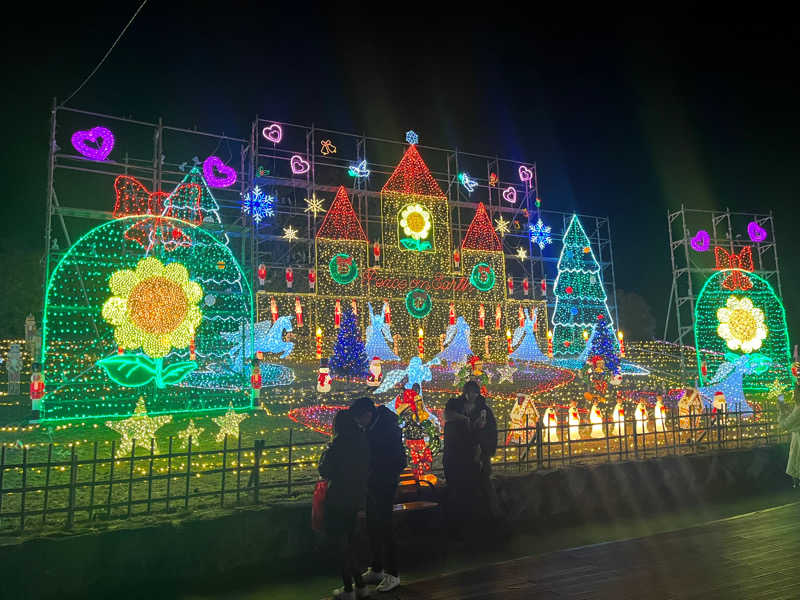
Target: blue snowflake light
[[540, 234], [412, 137], [259, 204]]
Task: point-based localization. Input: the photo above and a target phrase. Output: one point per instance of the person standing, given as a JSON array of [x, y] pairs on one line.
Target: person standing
[[789, 419], [345, 465], [484, 429], [387, 461], [462, 468]]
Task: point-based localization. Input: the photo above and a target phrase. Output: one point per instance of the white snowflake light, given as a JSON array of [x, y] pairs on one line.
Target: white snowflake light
[[258, 204], [540, 234]]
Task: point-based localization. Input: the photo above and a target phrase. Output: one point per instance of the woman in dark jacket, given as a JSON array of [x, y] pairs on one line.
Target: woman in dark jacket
[[345, 465], [462, 469]]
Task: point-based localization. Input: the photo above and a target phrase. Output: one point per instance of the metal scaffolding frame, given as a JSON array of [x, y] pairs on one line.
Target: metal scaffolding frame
[[690, 268], [79, 191]]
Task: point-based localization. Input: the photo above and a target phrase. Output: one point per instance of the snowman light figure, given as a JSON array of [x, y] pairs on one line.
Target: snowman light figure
[[324, 377]]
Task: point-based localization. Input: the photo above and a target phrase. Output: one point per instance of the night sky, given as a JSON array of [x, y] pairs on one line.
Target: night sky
[[625, 120]]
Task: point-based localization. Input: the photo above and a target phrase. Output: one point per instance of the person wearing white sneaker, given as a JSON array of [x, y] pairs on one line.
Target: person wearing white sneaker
[[388, 584], [371, 577]]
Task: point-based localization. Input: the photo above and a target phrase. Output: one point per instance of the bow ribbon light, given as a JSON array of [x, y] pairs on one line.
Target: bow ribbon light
[[743, 261]]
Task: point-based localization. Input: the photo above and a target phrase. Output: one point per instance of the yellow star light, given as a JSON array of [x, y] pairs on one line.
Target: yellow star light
[[228, 423], [193, 432], [501, 225], [522, 254], [139, 428], [290, 234], [314, 205]]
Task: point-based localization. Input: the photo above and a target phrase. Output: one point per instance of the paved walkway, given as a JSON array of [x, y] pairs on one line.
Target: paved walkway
[[751, 556]]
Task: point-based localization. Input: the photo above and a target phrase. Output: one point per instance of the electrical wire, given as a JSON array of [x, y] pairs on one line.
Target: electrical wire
[[102, 60]]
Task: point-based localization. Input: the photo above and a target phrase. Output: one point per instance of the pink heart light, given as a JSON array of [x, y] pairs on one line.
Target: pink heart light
[[299, 165], [274, 133], [525, 174], [756, 232], [227, 175], [510, 194], [79, 139], [700, 241]]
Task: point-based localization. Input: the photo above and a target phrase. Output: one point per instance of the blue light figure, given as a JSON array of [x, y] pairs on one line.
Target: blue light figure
[[468, 183], [729, 379], [360, 170], [456, 343], [416, 371], [527, 348], [267, 337], [378, 336]]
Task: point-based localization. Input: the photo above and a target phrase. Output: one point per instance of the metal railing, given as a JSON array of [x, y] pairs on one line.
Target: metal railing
[[40, 488]]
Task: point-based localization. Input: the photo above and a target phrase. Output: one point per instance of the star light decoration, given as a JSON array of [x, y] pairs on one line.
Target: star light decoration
[[314, 205], [191, 431], [412, 137], [501, 225], [290, 234], [228, 423], [522, 254], [258, 203], [139, 428], [776, 389], [506, 373], [540, 234]]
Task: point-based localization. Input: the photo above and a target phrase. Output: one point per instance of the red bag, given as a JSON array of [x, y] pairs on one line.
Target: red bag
[[318, 506]]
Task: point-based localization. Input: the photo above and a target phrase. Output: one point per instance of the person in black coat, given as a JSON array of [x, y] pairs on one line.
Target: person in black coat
[[461, 462], [387, 461], [484, 429], [345, 465]]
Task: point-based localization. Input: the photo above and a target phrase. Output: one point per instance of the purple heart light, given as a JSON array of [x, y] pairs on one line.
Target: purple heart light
[[274, 133], [525, 174], [101, 137], [756, 232], [700, 241], [299, 165], [510, 194], [227, 175]]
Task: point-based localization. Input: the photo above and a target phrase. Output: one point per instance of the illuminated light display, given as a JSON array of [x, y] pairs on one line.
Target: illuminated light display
[[756, 232], [104, 294], [289, 234], [379, 335], [229, 423], [299, 165], [213, 165], [510, 194], [138, 429], [191, 431], [259, 204], [603, 344], [359, 171], [343, 269], [468, 183], [314, 205], [525, 175], [273, 133], [412, 137], [701, 241], [540, 234], [729, 379], [349, 357], [327, 147], [579, 291], [418, 303], [524, 341], [480, 234], [737, 279], [501, 226], [416, 224], [101, 137], [482, 277], [493, 179], [745, 321], [741, 324], [521, 253]]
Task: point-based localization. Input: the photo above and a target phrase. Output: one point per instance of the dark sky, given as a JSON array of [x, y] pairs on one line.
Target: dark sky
[[625, 119]]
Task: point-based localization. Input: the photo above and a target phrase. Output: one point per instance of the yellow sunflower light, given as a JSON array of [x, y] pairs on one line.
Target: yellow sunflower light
[[153, 307], [741, 324], [415, 221]]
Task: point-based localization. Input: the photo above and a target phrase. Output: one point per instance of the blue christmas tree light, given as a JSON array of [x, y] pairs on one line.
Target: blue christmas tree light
[[259, 204], [349, 354], [540, 234], [604, 343]]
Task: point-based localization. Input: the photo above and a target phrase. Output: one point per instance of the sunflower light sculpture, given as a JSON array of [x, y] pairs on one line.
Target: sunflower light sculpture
[[416, 224], [153, 307], [741, 324]]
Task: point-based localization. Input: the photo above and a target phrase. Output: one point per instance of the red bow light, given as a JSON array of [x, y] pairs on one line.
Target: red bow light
[[743, 261], [133, 199]]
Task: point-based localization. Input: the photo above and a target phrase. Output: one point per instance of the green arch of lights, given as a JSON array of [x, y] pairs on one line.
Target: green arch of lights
[[712, 347], [78, 389]]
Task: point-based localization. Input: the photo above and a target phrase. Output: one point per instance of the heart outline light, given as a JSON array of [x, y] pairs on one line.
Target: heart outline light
[[299, 165], [510, 194], [525, 174], [228, 173], [79, 139], [273, 133], [756, 232], [701, 241]]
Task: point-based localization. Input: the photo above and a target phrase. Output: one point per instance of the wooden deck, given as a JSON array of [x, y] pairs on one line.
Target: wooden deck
[[750, 556]]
